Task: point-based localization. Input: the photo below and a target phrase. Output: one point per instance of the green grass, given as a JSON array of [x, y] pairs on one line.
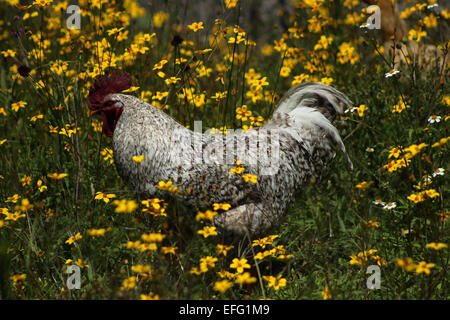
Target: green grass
[[326, 225]]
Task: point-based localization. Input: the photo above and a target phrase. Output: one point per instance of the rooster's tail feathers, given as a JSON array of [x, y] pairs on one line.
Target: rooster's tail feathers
[[312, 104], [326, 99]]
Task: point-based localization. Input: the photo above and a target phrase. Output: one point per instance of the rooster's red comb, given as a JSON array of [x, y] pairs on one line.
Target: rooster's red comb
[[113, 82]]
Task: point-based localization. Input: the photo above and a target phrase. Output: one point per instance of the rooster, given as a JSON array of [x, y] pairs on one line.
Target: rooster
[[257, 172]]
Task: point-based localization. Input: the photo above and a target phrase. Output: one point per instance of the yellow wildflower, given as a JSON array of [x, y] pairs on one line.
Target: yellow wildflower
[[129, 283], [74, 238], [42, 3], [242, 113], [364, 185], [416, 197], [221, 206], [9, 53], [207, 215], [231, 3], [400, 106], [17, 105], [424, 267], [152, 237], [13, 198], [245, 278], [36, 117], [370, 224], [207, 231], [195, 26], [125, 206], [151, 246], [18, 280], [263, 254], [222, 285], [155, 203], [250, 178], [150, 296], [361, 109], [132, 244], [138, 159], [440, 142], [172, 80], [167, 186], [436, 245], [326, 293], [407, 264], [57, 176], [160, 64], [239, 265], [104, 196], [96, 232], [208, 263], [143, 270], [361, 258], [14, 216], [223, 249], [328, 81], [264, 241], [300, 79], [347, 53], [323, 43], [275, 282], [238, 170], [80, 262], [25, 205], [226, 274], [416, 35], [395, 152], [26, 180], [167, 250], [160, 95], [431, 193], [159, 18]]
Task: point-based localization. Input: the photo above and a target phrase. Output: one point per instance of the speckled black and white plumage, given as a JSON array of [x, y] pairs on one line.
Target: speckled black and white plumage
[[301, 135]]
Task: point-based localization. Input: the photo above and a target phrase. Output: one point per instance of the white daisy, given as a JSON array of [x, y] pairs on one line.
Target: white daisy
[[351, 109], [391, 73], [370, 149], [434, 118], [379, 202], [431, 6], [438, 172], [389, 205]]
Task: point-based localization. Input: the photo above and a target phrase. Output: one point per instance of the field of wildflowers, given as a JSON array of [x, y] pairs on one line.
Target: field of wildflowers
[[62, 202]]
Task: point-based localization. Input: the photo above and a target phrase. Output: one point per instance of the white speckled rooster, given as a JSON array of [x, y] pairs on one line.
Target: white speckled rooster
[[257, 172]]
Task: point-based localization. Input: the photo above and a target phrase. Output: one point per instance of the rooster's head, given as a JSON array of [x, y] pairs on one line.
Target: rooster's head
[[99, 100]]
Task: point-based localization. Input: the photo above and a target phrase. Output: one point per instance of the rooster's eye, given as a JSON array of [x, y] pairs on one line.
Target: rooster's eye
[[108, 103]]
